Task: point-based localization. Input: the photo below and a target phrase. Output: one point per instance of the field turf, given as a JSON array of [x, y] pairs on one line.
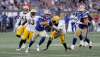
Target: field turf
[[9, 43]]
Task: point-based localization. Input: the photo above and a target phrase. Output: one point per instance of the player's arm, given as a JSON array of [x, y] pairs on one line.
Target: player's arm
[[18, 23], [24, 22], [54, 28]]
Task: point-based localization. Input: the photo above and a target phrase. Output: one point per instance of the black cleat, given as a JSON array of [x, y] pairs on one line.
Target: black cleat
[[80, 45], [67, 49], [90, 47], [45, 49]]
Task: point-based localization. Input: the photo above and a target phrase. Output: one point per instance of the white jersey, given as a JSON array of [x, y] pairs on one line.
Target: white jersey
[[29, 25], [74, 19], [31, 28], [23, 17], [61, 25]]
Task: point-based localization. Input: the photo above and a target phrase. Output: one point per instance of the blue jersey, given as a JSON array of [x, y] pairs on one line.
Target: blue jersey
[[82, 26], [39, 26], [81, 14], [48, 28]]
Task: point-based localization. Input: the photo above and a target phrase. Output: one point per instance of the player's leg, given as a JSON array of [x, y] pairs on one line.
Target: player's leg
[[40, 43], [72, 24], [87, 41], [30, 40], [76, 35], [23, 39], [84, 36], [52, 36], [62, 39], [19, 31], [81, 41], [20, 44], [42, 39], [48, 43]]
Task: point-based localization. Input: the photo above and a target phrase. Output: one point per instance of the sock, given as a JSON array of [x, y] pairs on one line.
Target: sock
[[41, 40], [65, 46], [87, 40], [48, 43], [31, 44], [72, 24], [74, 41], [80, 37], [75, 28], [21, 42]]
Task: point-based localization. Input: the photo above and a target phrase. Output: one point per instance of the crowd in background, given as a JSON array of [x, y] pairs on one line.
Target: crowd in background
[[9, 9]]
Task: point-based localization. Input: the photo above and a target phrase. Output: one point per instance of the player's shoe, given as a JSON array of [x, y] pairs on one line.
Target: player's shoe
[[81, 43], [18, 49], [27, 50], [86, 44], [45, 49], [23, 46], [90, 45], [68, 48], [72, 47], [38, 48]]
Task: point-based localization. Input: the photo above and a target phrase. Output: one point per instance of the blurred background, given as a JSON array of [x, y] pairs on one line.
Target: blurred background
[[10, 9]]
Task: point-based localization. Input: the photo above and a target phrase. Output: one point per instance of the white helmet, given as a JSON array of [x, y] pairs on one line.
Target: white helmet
[[33, 10]]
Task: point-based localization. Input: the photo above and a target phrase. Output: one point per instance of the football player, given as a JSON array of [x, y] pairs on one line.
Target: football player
[[21, 25], [58, 30], [79, 14], [21, 21], [82, 31], [29, 33], [45, 23]]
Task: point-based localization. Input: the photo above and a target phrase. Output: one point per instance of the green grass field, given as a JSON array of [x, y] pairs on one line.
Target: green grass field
[[9, 43]]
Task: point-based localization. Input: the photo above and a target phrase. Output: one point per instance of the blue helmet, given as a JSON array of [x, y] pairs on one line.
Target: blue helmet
[[84, 15]]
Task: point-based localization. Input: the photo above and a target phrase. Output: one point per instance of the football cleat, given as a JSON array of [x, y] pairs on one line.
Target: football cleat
[[72, 47], [38, 48], [27, 50], [80, 45], [23, 46], [86, 44], [90, 47], [45, 49], [18, 49]]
